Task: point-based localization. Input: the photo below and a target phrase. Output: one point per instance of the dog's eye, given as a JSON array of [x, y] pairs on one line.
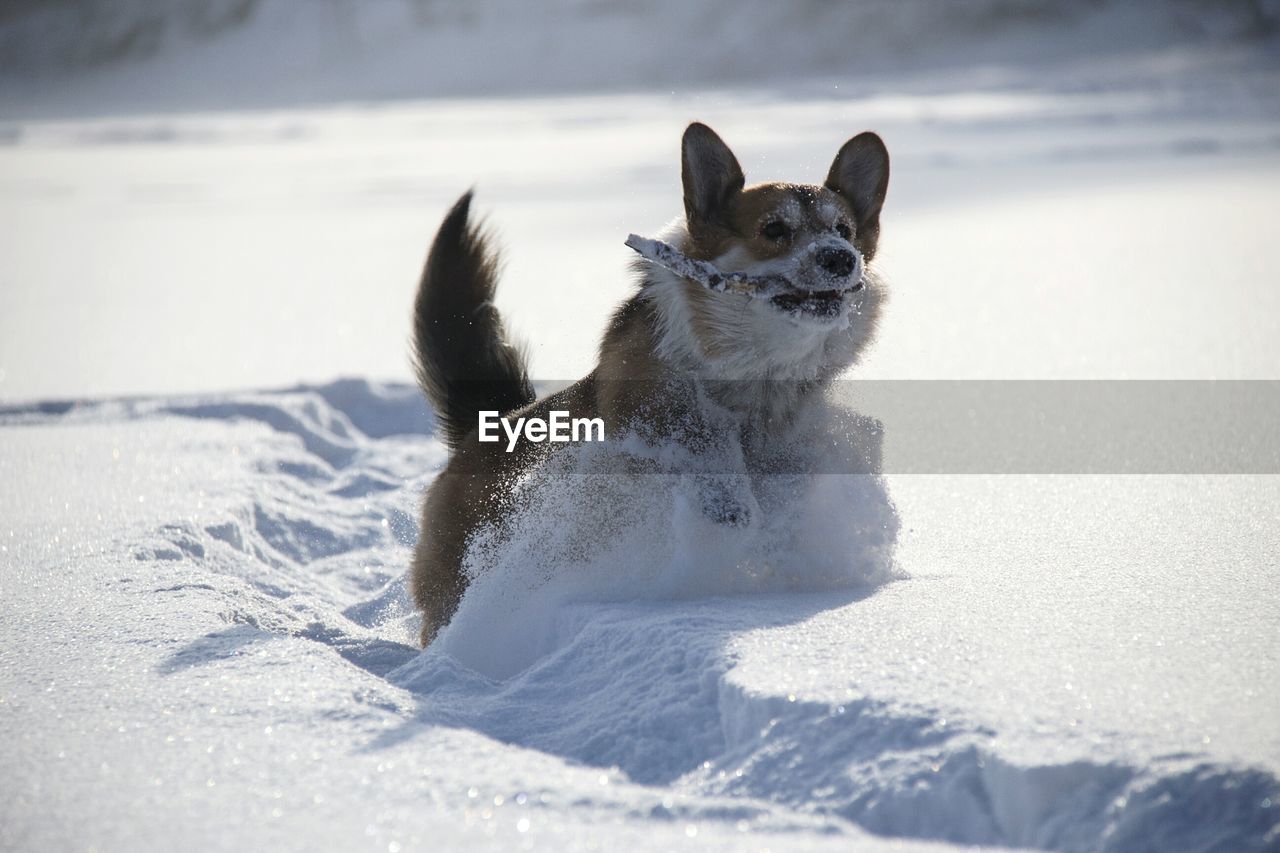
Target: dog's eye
[[844, 230], [775, 229]]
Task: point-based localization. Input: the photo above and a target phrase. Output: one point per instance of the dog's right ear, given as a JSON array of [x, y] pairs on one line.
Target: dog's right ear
[[710, 174], [860, 173]]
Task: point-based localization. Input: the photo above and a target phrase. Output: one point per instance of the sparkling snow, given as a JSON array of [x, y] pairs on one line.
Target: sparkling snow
[[206, 640]]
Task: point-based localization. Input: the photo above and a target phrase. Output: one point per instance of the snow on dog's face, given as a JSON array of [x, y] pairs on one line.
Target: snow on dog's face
[[816, 237]]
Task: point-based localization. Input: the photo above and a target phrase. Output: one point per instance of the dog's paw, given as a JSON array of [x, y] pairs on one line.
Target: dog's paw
[[735, 515], [722, 503]]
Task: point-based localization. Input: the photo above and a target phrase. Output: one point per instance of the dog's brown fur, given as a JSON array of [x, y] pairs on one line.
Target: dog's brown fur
[[667, 342]]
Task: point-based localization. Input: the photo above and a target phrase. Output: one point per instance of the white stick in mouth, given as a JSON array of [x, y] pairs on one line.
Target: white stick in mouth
[[712, 277]]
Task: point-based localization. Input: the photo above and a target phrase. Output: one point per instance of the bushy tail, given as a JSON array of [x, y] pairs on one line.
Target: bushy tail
[[464, 359]]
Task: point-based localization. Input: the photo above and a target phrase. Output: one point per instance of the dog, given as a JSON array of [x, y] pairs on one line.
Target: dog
[[679, 362]]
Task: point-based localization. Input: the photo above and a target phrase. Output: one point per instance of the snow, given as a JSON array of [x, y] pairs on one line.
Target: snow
[[584, 533], [206, 616], [311, 225], [206, 636]]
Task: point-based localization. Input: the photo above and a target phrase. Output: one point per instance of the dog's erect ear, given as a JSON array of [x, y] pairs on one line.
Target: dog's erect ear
[[710, 174], [860, 173]]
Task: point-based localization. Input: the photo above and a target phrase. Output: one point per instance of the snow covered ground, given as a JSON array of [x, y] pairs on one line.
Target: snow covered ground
[[205, 638], [255, 250]]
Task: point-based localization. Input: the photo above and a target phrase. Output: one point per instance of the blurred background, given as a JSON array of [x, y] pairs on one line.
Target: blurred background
[[213, 194], [182, 54]]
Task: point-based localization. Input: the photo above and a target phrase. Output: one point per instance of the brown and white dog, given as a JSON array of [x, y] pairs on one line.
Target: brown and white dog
[[678, 360]]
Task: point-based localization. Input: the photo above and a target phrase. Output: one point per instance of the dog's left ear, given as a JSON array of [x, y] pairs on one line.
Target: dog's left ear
[[860, 173]]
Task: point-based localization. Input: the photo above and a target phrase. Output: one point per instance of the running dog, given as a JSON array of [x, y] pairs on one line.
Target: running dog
[[751, 303]]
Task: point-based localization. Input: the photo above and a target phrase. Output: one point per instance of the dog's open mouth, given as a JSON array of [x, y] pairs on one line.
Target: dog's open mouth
[[818, 303], [814, 303]]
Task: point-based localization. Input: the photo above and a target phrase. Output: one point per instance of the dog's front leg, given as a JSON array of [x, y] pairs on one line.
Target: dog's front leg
[[717, 474], [703, 447]]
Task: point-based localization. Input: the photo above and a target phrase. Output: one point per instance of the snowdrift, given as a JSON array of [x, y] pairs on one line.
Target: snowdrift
[[228, 572]]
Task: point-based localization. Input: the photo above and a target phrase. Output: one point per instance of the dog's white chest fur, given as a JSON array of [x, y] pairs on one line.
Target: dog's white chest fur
[[761, 360]]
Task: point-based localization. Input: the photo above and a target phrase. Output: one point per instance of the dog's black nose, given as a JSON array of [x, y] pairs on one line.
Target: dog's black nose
[[837, 261]]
